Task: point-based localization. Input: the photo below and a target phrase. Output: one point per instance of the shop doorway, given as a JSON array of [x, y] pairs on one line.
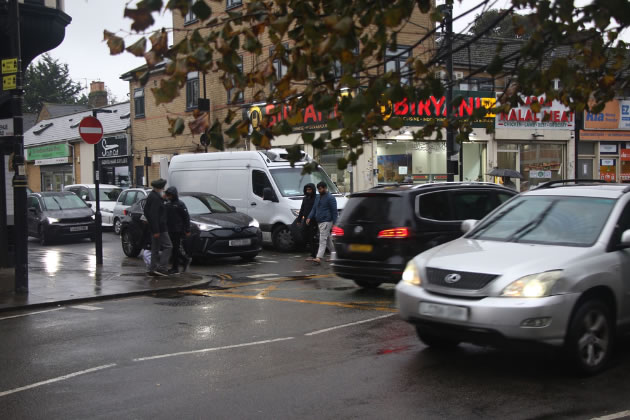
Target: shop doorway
[[509, 157], [585, 168], [55, 178]]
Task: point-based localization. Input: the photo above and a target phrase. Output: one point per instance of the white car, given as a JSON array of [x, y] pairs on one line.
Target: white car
[[108, 196], [125, 200], [550, 266]]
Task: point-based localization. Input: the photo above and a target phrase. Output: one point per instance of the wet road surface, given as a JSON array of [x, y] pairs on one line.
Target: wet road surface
[[276, 339]]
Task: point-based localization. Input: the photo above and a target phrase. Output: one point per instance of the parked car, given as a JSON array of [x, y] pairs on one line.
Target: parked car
[[551, 266], [383, 228], [126, 199], [217, 229], [262, 184], [58, 215], [108, 196]]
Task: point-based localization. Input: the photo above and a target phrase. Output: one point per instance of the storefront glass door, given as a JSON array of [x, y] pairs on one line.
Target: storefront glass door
[[55, 178]]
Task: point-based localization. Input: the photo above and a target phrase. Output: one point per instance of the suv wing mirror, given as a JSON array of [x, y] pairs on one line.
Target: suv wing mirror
[[469, 224], [625, 239]]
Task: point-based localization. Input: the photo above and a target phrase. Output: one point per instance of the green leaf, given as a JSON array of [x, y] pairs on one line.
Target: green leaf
[[201, 10]]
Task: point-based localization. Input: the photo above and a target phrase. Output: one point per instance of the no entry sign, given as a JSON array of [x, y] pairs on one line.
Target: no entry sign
[[91, 130]]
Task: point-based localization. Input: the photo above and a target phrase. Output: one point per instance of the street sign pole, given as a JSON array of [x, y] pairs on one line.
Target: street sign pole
[[19, 174]]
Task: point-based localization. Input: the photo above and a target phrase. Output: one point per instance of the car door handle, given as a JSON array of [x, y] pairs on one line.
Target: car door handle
[[253, 204]]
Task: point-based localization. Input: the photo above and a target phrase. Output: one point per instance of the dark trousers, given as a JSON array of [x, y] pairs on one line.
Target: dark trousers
[[308, 233], [179, 245]]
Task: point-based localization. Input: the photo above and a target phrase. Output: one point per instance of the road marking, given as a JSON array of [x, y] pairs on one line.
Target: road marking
[[260, 276], [614, 416], [233, 346], [60, 378], [86, 307], [349, 325], [31, 313], [212, 293], [266, 291], [267, 261], [298, 271]]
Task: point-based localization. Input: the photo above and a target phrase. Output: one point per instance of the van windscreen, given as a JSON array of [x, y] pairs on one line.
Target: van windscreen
[[291, 182]]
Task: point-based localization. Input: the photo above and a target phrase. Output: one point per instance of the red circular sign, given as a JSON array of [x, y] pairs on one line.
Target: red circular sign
[[91, 130]]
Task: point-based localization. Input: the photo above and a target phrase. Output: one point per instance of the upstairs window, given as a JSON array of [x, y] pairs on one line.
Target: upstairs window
[[231, 4], [138, 102], [396, 61], [190, 16], [192, 90], [234, 95]]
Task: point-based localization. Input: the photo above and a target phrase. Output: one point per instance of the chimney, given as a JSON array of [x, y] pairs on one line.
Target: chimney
[[98, 96]]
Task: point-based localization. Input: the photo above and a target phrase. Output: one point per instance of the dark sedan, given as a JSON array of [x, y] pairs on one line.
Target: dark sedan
[[217, 230], [59, 215]]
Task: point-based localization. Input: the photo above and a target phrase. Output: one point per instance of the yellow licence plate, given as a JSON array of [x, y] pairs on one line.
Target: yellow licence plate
[[360, 248]]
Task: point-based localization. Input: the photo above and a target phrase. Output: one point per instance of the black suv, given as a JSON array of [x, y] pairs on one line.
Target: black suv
[[381, 229]]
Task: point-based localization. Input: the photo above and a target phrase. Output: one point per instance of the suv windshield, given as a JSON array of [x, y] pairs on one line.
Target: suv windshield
[[63, 202], [205, 204], [555, 220], [106, 194], [291, 182]]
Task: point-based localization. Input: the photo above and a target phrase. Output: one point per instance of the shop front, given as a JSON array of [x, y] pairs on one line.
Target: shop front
[[114, 161], [55, 165], [604, 149], [535, 144]]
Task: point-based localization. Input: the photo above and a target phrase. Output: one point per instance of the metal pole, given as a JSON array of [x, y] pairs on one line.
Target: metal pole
[[576, 140], [4, 246], [451, 161], [146, 167], [19, 177], [97, 213]]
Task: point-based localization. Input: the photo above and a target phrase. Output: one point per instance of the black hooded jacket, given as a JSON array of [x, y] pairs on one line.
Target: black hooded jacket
[[307, 202], [177, 217], [155, 212]]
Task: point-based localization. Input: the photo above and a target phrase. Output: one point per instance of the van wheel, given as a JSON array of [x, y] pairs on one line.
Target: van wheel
[[366, 284], [590, 338], [282, 239], [435, 341], [117, 225]]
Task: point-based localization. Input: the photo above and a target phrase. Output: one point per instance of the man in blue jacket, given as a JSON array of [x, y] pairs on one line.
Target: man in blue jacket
[[325, 214]]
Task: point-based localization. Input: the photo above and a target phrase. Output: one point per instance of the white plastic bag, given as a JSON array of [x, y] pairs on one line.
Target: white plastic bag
[[146, 256]]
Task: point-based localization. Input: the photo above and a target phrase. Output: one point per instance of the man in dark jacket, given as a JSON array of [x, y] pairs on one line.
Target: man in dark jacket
[[155, 212], [308, 230], [325, 213], [178, 222]]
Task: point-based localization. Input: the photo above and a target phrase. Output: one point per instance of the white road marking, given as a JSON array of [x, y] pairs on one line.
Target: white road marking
[[349, 325], [31, 313], [233, 346], [298, 271], [614, 416], [60, 378], [86, 307], [267, 261], [260, 276]]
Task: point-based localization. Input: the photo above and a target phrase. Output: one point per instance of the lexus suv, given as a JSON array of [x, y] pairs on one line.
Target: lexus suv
[[383, 228], [551, 266]]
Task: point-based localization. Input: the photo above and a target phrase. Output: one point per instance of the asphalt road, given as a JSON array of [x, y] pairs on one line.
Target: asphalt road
[[275, 339]]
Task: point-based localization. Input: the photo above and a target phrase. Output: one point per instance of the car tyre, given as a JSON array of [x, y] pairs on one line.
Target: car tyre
[[129, 247], [367, 284], [434, 341], [43, 240], [117, 226], [590, 338], [282, 239]]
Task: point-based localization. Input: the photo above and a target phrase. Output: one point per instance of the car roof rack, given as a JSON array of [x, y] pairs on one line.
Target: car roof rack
[[570, 182]]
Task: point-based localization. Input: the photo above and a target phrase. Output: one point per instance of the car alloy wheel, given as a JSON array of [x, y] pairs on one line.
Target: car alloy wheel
[[283, 239], [129, 248], [117, 225], [590, 339]]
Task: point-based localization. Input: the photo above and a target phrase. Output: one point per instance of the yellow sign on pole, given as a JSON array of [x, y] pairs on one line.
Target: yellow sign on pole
[[9, 82], [9, 65]]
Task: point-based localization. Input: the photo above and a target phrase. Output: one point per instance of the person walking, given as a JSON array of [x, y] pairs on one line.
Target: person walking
[[324, 212], [155, 212], [178, 223], [308, 230]]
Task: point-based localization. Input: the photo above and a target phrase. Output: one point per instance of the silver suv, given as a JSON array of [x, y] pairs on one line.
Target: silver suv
[[549, 266]]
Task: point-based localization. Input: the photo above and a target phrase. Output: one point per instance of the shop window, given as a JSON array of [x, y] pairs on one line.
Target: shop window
[[260, 181], [138, 102], [396, 62], [235, 95], [586, 148], [192, 90], [328, 160]]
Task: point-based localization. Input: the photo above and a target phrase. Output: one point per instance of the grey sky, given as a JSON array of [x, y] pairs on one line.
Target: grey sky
[[88, 57]]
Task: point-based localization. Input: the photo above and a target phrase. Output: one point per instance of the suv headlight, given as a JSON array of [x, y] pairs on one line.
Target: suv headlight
[[411, 275], [206, 226], [254, 223], [52, 220], [533, 286]]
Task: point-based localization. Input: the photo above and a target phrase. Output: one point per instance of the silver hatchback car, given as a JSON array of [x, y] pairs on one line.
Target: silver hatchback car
[[126, 199], [549, 266]]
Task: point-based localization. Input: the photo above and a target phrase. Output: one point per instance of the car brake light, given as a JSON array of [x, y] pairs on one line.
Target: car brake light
[[337, 231], [125, 212], [396, 233]]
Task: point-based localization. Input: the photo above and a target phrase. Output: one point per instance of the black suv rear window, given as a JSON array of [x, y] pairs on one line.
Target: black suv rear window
[[378, 208]]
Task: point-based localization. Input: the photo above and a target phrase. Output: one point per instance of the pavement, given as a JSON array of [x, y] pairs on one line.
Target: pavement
[[67, 273]]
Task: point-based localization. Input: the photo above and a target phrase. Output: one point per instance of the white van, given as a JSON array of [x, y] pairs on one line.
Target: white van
[[261, 184]]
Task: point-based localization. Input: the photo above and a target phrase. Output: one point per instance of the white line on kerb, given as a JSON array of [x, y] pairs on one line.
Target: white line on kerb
[[614, 416], [31, 313], [260, 276], [60, 378], [349, 325], [233, 346]]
